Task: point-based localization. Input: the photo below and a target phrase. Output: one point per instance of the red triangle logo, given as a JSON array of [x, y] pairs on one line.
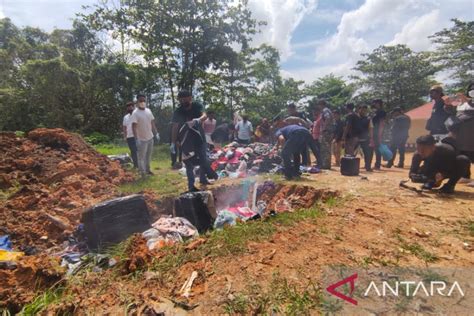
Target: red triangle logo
[[332, 289]]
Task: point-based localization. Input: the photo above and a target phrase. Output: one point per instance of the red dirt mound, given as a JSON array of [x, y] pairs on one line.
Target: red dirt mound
[[48, 178]]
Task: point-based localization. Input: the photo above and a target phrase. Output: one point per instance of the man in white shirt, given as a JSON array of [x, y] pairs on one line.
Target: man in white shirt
[[244, 130], [209, 125], [128, 133], [144, 129]]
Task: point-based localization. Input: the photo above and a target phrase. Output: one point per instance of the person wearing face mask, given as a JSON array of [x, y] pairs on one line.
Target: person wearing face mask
[[128, 133], [187, 134], [144, 130]]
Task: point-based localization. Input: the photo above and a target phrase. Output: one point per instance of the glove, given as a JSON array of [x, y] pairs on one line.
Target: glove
[[157, 136], [173, 149], [193, 122]]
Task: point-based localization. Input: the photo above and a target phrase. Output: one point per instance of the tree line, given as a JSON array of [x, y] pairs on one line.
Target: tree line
[[81, 78]]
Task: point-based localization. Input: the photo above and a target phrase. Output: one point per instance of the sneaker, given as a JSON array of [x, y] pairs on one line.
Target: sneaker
[[150, 173], [399, 166], [389, 165]]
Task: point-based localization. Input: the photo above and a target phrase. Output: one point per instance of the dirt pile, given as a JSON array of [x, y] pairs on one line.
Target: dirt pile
[[48, 178]]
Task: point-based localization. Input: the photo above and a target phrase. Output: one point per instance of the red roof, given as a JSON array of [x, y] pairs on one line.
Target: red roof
[[422, 112]]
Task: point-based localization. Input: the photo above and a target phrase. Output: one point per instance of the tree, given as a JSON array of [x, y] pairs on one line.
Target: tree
[[331, 88], [396, 75], [455, 51]]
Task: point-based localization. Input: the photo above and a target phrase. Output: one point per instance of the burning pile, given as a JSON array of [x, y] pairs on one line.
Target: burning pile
[[46, 179]]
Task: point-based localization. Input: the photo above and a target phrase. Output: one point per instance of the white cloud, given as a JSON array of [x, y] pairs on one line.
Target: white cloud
[[282, 17], [2, 15], [415, 33], [310, 74]]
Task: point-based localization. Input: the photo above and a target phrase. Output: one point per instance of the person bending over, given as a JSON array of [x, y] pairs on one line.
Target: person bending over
[[439, 162], [293, 138]]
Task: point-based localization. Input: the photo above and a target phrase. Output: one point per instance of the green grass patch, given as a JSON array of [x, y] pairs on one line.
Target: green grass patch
[[42, 301], [417, 250], [280, 297], [165, 181]]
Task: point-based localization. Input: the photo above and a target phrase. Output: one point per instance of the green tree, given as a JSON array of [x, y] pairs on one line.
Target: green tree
[[331, 88], [455, 51], [396, 75]]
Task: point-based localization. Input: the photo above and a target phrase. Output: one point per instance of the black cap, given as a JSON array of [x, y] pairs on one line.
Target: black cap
[[184, 94]]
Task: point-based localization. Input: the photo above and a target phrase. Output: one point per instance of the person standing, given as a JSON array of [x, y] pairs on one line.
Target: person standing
[[263, 132], [439, 114], [364, 138], [399, 136], [350, 130], [188, 135], [378, 123], [209, 125], [327, 134], [144, 129], [338, 133], [244, 130], [128, 133], [315, 134], [293, 138]]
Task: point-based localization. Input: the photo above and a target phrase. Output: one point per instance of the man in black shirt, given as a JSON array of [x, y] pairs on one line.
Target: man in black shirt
[[188, 135], [399, 136], [439, 162], [440, 112], [378, 123], [350, 130], [363, 136]]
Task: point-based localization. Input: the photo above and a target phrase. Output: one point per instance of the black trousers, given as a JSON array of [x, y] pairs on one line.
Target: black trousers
[[368, 153], [294, 146], [398, 144], [175, 157], [462, 170]]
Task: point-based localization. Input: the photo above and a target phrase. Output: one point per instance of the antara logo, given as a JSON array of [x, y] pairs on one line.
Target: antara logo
[[405, 288], [332, 289]]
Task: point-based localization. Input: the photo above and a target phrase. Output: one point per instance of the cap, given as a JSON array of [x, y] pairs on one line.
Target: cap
[[184, 94]]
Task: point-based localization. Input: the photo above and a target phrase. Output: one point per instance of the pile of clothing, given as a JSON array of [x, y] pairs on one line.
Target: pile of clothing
[[236, 161], [168, 231]]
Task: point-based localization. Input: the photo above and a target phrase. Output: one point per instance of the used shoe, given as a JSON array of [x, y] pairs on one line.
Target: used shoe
[[150, 173], [399, 166], [194, 189]]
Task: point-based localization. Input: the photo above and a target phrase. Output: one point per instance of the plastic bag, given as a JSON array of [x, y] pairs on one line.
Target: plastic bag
[[386, 152]]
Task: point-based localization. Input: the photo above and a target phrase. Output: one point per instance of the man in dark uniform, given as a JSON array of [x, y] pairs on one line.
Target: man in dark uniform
[[293, 138], [191, 114], [399, 136], [439, 162]]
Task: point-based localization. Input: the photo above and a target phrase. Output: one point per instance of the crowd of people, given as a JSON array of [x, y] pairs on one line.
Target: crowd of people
[[356, 129]]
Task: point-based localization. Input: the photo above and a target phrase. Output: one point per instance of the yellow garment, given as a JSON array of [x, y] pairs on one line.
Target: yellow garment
[[6, 255]]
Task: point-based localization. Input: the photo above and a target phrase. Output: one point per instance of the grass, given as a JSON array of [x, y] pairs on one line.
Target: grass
[[42, 301], [165, 182], [280, 297], [417, 250]]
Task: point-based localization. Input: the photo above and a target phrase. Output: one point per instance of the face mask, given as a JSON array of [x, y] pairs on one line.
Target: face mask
[[471, 93], [141, 105]]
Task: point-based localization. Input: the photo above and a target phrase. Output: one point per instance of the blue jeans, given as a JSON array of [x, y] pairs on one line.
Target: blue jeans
[[204, 164]]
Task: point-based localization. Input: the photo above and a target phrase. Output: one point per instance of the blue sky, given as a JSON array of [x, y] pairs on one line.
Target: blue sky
[[314, 38]]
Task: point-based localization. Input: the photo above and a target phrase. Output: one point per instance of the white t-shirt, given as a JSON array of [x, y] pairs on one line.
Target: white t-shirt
[[127, 122], [143, 119], [244, 130]]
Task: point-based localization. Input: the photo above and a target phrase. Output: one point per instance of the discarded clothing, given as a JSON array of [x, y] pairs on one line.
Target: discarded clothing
[[5, 243], [6, 255], [169, 230], [225, 217]]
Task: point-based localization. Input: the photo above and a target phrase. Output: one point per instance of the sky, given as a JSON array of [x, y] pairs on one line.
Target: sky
[[315, 38]]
